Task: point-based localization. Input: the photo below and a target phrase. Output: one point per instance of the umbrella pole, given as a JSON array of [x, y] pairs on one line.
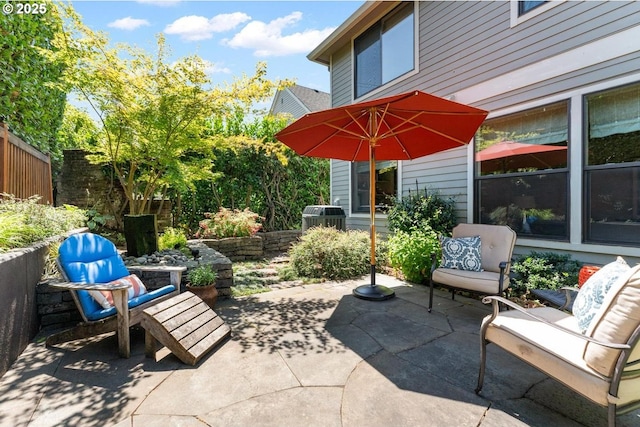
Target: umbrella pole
[[372, 291]]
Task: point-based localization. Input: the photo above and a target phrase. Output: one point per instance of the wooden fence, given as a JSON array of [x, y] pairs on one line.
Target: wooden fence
[[24, 171]]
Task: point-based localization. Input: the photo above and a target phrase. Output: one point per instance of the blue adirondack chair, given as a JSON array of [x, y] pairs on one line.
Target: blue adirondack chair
[[90, 263]]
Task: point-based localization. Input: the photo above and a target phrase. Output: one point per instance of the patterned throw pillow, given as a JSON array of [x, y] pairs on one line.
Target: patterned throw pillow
[[462, 253], [105, 298], [592, 293]]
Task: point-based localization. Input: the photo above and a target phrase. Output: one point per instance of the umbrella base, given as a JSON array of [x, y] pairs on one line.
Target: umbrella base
[[373, 293]]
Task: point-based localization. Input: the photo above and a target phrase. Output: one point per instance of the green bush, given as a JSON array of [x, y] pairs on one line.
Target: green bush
[[324, 252], [172, 238], [410, 252], [423, 210], [543, 270], [23, 222], [229, 223], [202, 275]]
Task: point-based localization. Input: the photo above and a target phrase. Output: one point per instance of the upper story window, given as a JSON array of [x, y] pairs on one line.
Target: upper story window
[[527, 6], [385, 51]]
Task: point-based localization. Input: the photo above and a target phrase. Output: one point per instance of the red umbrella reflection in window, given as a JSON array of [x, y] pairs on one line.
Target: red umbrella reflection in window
[[507, 156]]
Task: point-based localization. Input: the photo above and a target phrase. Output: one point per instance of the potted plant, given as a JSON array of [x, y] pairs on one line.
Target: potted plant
[[202, 282]]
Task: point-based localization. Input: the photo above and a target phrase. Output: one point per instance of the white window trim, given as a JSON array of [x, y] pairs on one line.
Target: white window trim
[[416, 59], [516, 20]]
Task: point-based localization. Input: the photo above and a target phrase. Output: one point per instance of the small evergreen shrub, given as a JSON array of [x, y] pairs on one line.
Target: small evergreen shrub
[[543, 270], [229, 223], [172, 238], [410, 252], [324, 252], [423, 210]]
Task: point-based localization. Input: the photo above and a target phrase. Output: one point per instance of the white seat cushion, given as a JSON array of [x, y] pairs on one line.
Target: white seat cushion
[[548, 349], [478, 281]]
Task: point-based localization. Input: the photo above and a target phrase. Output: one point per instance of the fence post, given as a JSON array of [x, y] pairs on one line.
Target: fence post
[[4, 157]]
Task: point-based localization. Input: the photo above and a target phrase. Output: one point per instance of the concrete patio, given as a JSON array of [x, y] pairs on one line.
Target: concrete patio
[[310, 355]]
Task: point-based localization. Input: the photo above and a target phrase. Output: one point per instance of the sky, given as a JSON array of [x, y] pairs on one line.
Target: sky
[[233, 36]]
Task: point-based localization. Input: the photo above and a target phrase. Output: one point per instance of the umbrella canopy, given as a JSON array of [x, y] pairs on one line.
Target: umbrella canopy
[[399, 127], [511, 155]]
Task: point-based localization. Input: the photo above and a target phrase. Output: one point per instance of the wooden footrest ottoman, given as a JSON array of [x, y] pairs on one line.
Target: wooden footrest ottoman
[[184, 324]]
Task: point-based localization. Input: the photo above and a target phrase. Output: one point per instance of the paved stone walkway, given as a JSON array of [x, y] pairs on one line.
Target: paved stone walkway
[[311, 355]]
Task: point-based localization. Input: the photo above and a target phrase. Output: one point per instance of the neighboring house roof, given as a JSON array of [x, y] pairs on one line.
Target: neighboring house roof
[[299, 100]]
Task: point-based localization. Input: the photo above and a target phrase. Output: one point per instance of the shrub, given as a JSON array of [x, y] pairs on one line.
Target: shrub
[[324, 252], [172, 238], [543, 270], [410, 252], [23, 222], [229, 223], [202, 275], [423, 210]]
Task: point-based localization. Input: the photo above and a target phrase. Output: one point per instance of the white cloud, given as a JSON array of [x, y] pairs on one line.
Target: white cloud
[[128, 23], [216, 68], [268, 40], [193, 28]]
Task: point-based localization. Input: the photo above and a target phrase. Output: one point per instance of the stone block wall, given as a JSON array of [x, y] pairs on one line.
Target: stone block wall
[[85, 185], [255, 247]]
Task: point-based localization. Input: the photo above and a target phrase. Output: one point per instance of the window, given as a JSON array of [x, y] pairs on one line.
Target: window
[[521, 172], [385, 51], [386, 185], [527, 6], [612, 166]]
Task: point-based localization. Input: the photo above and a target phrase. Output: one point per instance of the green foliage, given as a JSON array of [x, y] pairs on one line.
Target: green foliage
[[153, 109], [255, 171], [172, 238], [23, 222], [410, 252], [96, 220], [543, 270], [229, 223], [30, 102], [202, 275], [324, 252], [423, 210]]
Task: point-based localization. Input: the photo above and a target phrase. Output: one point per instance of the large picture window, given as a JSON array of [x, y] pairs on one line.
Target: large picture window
[[385, 51], [521, 172], [386, 185], [612, 166]]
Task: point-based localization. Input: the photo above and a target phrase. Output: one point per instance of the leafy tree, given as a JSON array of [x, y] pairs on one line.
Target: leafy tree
[[31, 103], [153, 113], [253, 170]]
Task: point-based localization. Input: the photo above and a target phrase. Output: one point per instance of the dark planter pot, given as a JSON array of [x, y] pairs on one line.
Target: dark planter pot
[[141, 234], [208, 294]]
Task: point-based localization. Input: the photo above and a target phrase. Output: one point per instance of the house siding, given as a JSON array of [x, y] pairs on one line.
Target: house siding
[[287, 103], [463, 46]]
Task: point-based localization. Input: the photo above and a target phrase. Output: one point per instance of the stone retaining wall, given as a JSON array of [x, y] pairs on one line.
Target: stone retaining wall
[[255, 247]]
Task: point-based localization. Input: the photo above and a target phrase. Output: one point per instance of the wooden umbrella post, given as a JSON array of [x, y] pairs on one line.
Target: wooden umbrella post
[[372, 291], [372, 209]]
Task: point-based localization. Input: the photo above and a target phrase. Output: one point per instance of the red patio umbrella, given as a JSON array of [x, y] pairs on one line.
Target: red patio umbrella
[[509, 155], [399, 127]]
